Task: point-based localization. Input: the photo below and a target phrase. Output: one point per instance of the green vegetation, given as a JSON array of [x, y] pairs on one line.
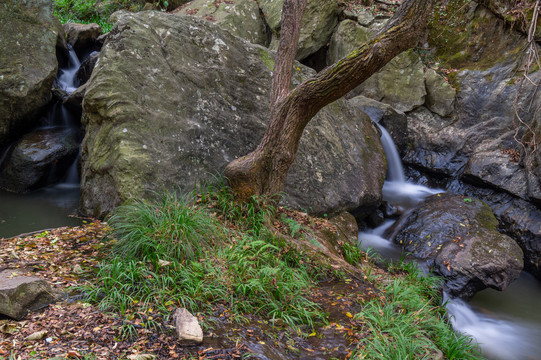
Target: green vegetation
[[205, 252], [97, 11], [409, 323], [177, 253]]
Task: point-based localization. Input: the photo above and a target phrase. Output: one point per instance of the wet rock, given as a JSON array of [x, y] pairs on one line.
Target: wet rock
[[75, 99], [38, 159], [85, 70], [28, 63], [517, 218], [318, 23], [394, 121], [241, 18], [187, 108], [83, 37], [20, 294], [187, 327], [457, 237]]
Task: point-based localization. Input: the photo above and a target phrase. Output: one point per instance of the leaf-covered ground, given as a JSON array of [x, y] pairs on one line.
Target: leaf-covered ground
[[76, 329]]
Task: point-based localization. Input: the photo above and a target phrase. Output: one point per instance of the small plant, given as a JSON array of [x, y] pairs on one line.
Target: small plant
[[410, 324]]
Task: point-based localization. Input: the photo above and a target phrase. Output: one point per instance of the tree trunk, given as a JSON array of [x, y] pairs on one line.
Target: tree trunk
[[263, 171]]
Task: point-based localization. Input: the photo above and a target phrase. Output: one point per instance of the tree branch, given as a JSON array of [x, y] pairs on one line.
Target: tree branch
[[292, 13]]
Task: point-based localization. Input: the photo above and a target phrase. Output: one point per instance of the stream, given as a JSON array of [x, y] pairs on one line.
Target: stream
[[53, 206], [507, 325]]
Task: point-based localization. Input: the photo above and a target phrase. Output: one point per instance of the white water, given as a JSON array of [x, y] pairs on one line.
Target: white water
[[66, 79], [501, 334]]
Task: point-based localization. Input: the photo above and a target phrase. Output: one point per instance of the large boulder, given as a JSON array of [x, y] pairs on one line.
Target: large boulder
[[172, 100], [28, 63], [457, 238], [39, 158], [318, 23], [240, 17]]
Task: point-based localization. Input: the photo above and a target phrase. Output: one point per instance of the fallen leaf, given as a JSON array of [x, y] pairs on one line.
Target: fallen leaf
[[38, 335], [142, 357], [8, 328]]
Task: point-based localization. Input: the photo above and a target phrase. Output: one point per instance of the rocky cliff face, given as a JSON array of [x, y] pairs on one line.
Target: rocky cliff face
[[173, 99]]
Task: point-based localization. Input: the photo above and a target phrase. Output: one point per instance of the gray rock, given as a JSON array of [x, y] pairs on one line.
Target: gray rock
[[348, 36], [38, 159], [82, 37], [318, 23], [86, 68], [440, 96], [20, 294], [458, 238], [241, 18], [174, 99], [28, 64], [394, 121], [187, 328], [400, 83]]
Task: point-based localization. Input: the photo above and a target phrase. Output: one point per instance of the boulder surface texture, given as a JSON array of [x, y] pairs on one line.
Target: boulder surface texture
[[28, 64], [173, 99], [458, 239], [241, 18], [20, 294]]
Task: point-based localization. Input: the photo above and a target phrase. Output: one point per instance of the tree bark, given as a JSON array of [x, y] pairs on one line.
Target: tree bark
[[263, 171]]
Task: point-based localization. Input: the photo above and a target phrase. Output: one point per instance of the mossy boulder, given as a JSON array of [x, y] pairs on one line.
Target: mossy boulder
[[318, 23], [468, 35], [405, 71], [240, 17], [173, 99], [457, 237], [28, 63], [440, 97]]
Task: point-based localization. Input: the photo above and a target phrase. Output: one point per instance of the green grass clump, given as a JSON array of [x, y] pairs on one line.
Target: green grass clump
[[96, 11], [410, 324], [198, 252]]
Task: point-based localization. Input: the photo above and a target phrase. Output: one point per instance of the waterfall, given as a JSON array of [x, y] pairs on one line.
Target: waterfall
[[500, 335], [67, 80]]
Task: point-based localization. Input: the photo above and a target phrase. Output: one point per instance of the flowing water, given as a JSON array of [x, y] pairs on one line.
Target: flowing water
[[507, 324], [52, 206]]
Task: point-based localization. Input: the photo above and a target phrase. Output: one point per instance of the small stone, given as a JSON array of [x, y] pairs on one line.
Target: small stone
[[187, 327]]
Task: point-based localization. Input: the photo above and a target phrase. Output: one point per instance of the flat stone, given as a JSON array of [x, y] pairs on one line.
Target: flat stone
[[20, 294]]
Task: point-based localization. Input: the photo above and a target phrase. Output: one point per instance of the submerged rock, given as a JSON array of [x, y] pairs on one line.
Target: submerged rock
[[28, 63], [174, 99], [457, 238], [39, 158]]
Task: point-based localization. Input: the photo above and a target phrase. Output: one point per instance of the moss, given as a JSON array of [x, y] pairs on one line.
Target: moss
[[267, 58], [466, 40]]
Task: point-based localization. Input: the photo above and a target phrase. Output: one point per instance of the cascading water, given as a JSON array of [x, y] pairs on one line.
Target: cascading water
[[48, 207], [501, 334]]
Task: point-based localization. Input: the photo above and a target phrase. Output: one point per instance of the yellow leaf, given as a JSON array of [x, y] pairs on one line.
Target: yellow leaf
[[313, 334], [348, 314]]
